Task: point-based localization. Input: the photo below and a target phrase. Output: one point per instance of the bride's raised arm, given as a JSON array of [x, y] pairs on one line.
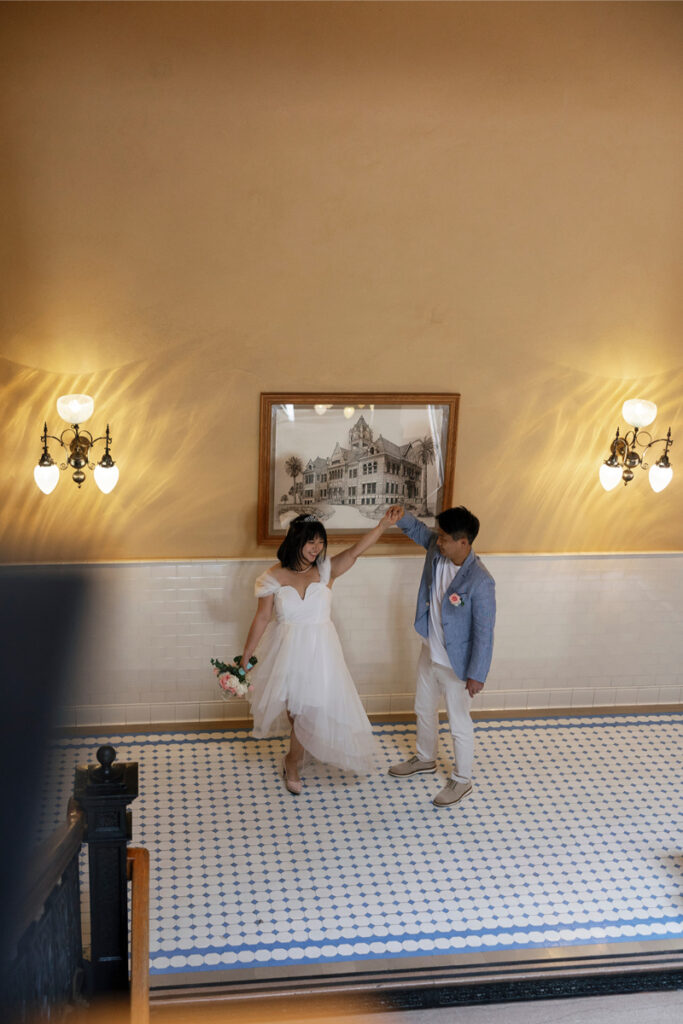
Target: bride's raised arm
[[342, 562]]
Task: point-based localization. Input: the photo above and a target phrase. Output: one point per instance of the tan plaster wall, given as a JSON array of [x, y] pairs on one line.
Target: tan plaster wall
[[206, 201]]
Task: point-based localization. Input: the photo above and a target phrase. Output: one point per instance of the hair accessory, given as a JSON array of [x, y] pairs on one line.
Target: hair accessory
[[310, 519]]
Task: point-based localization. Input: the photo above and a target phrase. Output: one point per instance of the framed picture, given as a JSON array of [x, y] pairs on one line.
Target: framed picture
[[346, 457]]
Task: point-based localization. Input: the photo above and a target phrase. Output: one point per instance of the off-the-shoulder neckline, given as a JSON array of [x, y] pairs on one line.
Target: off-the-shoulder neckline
[[269, 572]]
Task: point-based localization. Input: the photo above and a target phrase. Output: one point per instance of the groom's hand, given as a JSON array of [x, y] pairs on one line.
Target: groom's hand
[[473, 687], [391, 516]]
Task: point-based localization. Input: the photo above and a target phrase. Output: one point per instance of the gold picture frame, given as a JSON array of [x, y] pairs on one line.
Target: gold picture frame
[[345, 457]]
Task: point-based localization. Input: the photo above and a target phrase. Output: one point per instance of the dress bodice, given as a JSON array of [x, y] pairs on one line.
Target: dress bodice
[[314, 607]]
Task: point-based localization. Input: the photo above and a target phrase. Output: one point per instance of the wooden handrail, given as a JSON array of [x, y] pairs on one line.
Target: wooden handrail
[[47, 866], [137, 862]]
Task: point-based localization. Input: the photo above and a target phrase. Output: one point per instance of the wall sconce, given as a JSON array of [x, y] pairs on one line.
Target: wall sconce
[[624, 457], [76, 409]]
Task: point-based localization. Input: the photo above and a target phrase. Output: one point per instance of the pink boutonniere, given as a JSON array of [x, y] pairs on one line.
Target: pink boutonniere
[[456, 600]]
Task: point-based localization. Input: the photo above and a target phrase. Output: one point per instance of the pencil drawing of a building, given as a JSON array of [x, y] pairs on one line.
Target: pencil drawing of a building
[[369, 471]]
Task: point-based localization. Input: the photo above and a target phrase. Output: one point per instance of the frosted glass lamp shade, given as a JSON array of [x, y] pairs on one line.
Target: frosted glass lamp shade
[[47, 477], [106, 477], [660, 476], [610, 476], [638, 412], [75, 408]]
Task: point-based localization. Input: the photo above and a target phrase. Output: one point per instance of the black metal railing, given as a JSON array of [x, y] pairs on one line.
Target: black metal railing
[[47, 971]]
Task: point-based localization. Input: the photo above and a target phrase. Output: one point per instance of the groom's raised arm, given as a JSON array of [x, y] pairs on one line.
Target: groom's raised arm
[[414, 529]]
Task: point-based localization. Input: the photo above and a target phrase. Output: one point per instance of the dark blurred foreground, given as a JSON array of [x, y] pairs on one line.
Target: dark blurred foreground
[[40, 618]]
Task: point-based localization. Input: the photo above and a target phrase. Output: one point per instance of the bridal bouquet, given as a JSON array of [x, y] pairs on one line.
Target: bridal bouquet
[[232, 678]]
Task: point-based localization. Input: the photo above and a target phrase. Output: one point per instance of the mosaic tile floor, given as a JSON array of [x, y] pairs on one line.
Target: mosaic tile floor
[[571, 837]]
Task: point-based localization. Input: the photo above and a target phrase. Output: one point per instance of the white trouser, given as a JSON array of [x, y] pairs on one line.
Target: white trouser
[[437, 684]]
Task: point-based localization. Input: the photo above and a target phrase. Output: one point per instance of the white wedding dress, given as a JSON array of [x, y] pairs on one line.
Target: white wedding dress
[[304, 672]]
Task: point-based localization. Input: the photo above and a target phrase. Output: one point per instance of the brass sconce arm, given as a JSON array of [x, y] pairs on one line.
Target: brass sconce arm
[[78, 445]]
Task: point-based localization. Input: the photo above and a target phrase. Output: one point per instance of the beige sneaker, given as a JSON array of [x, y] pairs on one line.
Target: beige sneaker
[[452, 792], [411, 767]]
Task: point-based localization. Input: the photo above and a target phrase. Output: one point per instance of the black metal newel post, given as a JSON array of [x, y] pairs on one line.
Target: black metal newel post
[[104, 793]]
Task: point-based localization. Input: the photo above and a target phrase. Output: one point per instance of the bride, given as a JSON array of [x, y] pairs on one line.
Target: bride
[[303, 679]]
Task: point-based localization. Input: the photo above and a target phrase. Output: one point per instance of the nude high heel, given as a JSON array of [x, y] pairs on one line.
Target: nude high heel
[[290, 784]]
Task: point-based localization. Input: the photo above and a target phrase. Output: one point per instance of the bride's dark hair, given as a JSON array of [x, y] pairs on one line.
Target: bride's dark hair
[[301, 530]]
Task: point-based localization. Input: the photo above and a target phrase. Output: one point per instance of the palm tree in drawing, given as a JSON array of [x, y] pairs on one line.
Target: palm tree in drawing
[[425, 457], [294, 468]]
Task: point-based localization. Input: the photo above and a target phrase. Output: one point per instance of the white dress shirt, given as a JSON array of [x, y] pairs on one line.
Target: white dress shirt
[[444, 572]]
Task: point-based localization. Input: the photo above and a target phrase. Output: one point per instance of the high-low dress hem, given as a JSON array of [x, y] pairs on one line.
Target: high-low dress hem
[[304, 672]]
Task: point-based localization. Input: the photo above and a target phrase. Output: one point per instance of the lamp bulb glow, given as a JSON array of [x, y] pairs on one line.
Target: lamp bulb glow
[[106, 477], [638, 412], [610, 476], [47, 477], [75, 408], [660, 476]]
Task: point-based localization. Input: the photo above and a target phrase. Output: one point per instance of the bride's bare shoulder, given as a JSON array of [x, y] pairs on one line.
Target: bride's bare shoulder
[[278, 572]]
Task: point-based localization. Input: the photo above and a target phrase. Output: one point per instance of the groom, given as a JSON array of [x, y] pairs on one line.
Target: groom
[[456, 610]]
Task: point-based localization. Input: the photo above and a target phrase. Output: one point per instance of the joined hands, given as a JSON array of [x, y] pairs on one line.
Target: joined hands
[[392, 516]]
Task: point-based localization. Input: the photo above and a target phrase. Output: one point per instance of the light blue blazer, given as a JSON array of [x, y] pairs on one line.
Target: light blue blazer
[[468, 627]]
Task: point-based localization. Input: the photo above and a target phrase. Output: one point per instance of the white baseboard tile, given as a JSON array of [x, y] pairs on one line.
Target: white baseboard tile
[[187, 712], [223, 710], [582, 697], [138, 714], [385, 704], [87, 716], [163, 713], [402, 702], [604, 697], [538, 700], [234, 709], [380, 704], [626, 695], [489, 700], [112, 714], [211, 711], [515, 700]]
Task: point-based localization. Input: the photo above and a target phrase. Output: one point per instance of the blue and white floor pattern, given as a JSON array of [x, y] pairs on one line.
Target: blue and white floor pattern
[[571, 836]]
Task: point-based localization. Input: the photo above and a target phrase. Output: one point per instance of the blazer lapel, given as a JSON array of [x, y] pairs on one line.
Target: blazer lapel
[[461, 577]]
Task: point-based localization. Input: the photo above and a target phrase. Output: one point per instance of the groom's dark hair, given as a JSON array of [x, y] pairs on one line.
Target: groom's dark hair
[[459, 522]]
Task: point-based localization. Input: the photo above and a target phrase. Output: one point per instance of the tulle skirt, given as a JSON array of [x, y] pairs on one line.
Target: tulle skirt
[[304, 672]]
